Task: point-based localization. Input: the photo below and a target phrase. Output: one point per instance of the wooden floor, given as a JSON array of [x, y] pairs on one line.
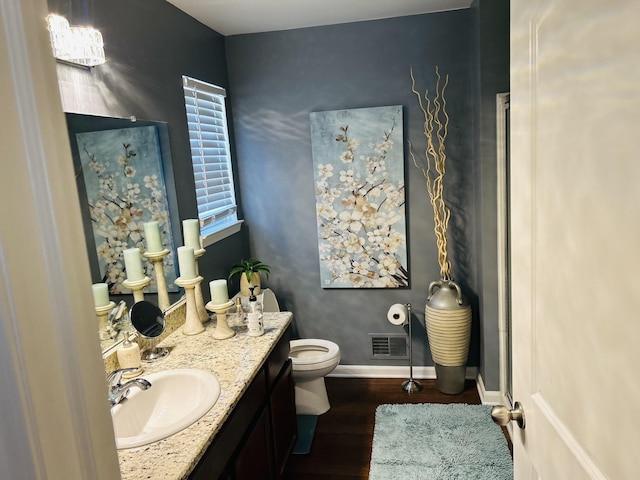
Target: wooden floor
[[341, 448]]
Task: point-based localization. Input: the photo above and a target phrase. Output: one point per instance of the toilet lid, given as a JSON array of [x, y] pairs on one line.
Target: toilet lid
[[269, 301], [319, 350]]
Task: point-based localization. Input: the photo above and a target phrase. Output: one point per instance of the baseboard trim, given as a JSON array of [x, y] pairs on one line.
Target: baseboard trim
[[487, 397], [392, 371]]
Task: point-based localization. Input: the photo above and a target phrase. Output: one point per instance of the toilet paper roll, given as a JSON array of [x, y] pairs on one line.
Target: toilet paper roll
[[397, 314]]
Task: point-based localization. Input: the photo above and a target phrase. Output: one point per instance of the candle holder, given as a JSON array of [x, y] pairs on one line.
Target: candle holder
[[103, 316], [202, 312], [157, 258], [222, 330], [136, 287], [193, 324]]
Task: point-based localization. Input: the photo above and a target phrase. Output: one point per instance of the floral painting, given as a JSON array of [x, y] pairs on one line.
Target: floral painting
[[125, 187], [360, 197]]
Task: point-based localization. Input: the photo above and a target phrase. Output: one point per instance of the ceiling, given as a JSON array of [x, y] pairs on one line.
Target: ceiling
[[233, 17]]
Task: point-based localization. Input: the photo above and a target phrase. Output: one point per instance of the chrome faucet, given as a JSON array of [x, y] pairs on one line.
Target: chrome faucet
[[119, 391]]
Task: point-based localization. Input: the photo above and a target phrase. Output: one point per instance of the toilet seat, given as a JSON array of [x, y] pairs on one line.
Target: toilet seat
[[326, 351]]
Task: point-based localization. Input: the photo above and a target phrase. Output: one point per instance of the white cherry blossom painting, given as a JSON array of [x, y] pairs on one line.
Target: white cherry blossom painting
[[360, 197], [125, 187]]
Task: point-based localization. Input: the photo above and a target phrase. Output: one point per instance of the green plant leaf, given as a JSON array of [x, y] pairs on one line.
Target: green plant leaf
[[248, 267]]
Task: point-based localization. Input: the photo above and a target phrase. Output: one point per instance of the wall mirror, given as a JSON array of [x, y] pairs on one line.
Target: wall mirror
[[124, 177]]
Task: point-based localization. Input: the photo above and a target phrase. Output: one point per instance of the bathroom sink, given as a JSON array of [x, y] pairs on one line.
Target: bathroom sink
[[176, 399]]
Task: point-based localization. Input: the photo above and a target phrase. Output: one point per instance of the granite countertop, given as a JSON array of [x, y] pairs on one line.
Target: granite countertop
[[235, 362]]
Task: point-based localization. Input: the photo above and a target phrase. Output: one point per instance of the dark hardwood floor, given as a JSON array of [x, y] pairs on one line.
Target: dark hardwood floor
[[341, 447]]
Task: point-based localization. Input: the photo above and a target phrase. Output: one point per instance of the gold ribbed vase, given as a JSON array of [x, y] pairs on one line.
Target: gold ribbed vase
[[448, 323], [246, 284]]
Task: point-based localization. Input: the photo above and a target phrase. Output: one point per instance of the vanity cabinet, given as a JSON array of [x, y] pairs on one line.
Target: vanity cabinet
[[282, 408], [257, 439]]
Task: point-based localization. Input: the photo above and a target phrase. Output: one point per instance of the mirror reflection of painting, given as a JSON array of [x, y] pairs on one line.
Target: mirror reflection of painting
[[125, 188]]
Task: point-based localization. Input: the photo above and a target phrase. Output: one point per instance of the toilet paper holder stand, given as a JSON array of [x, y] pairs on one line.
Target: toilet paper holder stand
[[410, 385]]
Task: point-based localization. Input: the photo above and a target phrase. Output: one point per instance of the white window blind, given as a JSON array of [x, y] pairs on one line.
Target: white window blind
[[210, 154]]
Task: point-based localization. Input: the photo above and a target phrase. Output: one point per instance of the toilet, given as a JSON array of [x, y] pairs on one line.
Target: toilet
[[312, 359]]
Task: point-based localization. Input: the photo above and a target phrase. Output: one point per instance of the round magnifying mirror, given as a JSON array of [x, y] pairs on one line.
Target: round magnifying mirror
[[148, 320]]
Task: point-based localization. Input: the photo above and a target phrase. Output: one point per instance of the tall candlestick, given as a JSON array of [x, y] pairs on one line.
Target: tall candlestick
[[137, 287], [191, 233], [152, 237], [193, 324], [100, 294], [161, 283], [202, 311], [187, 263], [219, 292], [133, 264], [102, 313]]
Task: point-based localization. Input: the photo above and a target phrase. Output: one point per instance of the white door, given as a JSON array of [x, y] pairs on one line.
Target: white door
[[55, 421], [575, 199]]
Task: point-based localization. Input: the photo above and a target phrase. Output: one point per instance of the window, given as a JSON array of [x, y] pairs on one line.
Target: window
[[211, 159]]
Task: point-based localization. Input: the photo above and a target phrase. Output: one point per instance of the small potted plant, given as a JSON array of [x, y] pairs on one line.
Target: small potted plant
[[250, 275]]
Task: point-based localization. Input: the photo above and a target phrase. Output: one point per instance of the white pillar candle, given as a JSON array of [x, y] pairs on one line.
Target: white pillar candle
[[219, 292], [152, 237], [133, 264], [187, 263], [100, 294], [191, 233]]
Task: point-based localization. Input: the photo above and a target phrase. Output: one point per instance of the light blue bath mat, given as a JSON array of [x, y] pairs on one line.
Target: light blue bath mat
[[306, 431], [438, 442]]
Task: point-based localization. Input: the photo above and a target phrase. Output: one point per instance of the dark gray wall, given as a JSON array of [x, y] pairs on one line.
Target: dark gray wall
[[492, 27], [276, 80], [149, 45]]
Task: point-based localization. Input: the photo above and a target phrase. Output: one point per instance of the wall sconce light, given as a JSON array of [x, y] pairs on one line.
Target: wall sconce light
[[75, 45]]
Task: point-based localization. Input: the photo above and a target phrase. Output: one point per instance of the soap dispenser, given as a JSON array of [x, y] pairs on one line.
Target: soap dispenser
[[129, 357], [254, 317], [254, 305]]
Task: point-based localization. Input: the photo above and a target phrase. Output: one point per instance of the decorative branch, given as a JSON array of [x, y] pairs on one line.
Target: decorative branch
[[435, 129]]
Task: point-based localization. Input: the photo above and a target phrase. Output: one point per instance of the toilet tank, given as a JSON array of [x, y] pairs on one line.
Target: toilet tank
[[269, 301]]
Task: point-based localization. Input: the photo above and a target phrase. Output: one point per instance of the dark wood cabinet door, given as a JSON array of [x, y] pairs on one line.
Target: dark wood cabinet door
[[283, 419], [254, 461]]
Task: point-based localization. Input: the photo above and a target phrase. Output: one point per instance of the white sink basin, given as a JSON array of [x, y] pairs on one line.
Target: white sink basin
[[176, 399]]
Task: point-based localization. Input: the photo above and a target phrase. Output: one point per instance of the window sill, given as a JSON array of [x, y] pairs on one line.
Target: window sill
[[209, 237]]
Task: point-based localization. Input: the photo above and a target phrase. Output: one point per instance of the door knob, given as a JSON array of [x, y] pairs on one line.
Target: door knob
[[502, 415]]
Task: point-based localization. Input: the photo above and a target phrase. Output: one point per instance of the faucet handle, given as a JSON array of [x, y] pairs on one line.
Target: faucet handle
[[115, 377]]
